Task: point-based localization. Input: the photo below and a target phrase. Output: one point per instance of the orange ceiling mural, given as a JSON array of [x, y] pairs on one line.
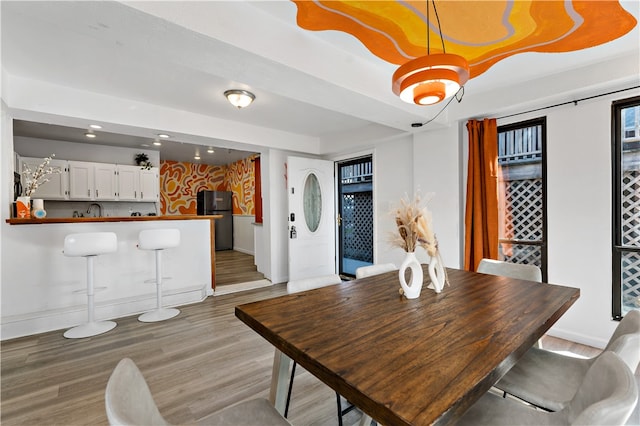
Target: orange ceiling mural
[[483, 32]]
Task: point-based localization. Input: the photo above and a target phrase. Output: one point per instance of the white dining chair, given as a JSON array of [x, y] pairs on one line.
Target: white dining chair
[[508, 269], [549, 379], [367, 271], [128, 401], [606, 396]]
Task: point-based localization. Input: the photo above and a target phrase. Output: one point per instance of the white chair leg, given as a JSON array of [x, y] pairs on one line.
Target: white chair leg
[[160, 313], [92, 327]]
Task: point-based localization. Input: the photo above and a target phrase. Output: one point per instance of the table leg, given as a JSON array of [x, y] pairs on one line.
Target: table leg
[[279, 380]]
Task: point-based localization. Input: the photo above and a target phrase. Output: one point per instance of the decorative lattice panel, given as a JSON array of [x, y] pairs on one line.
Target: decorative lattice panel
[[520, 253], [631, 208], [523, 210], [630, 281], [357, 226]]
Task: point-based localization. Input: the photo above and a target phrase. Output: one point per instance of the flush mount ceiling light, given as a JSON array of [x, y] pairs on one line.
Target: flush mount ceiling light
[[95, 126], [239, 98], [429, 79], [210, 150], [157, 142], [163, 136], [90, 135]]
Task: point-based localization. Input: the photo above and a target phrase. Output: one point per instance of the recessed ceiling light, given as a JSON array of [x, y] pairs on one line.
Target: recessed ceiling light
[[163, 136], [90, 135], [197, 157], [210, 151], [95, 126], [145, 145], [157, 143]]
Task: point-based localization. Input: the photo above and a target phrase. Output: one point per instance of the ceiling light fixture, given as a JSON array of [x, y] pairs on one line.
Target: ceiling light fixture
[[429, 79], [90, 135], [95, 126], [197, 157], [240, 98], [163, 136], [157, 142], [210, 150]]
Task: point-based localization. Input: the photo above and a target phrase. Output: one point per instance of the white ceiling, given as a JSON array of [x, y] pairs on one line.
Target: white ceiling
[[184, 55]]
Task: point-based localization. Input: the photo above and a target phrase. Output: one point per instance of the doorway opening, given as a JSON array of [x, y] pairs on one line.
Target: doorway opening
[[355, 214]]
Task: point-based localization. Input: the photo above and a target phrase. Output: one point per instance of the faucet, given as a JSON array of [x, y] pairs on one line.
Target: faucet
[[95, 205]]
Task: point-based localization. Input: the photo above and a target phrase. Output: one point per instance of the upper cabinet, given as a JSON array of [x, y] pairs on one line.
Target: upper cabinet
[[150, 184], [128, 183], [84, 180], [138, 184], [92, 181], [57, 186]]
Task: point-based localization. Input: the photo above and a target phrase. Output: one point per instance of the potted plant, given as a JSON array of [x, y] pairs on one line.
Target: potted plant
[[142, 160]]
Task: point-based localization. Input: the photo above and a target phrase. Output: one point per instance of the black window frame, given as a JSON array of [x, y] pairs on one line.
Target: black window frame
[[617, 248], [542, 121]]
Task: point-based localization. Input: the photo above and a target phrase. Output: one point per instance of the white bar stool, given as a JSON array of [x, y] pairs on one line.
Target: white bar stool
[[90, 245], [158, 240]]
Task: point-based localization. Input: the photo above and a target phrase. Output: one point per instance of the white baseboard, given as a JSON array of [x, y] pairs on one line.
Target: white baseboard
[[58, 319], [242, 250], [577, 338]]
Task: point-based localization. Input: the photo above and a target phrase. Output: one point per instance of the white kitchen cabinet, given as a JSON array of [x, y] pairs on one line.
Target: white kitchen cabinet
[[57, 188], [128, 183], [105, 181], [81, 180], [138, 184], [92, 181], [150, 184]]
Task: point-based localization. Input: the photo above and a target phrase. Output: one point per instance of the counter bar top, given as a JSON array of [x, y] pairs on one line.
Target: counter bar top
[[33, 221], [80, 220]]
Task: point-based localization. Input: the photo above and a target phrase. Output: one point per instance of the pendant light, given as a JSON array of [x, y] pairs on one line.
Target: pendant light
[[429, 79]]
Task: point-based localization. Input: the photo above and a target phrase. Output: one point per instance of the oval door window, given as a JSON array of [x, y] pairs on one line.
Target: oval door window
[[312, 202]]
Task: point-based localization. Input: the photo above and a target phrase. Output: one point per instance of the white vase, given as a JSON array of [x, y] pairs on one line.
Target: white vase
[[37, 206], [436, 273], [414, 286]]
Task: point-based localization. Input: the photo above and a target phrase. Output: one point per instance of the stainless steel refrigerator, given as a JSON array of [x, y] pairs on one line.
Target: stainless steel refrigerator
[[221, 203]]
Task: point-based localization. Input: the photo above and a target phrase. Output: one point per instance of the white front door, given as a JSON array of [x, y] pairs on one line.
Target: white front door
[[312, 249]]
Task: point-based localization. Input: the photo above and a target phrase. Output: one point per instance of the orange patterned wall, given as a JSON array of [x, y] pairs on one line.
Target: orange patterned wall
[[180, 182], [240, 177]]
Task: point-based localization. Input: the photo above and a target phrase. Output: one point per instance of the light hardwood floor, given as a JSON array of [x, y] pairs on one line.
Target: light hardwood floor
[[196, 363], [233, 267]]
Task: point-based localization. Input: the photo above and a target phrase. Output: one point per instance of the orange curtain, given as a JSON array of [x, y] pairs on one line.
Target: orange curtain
[[481, 214]]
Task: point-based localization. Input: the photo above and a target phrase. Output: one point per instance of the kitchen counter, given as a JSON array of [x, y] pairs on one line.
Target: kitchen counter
[[39, 283], [33, 221]]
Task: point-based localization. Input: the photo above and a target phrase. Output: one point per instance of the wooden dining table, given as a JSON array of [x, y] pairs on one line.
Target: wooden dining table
[[408, 362]]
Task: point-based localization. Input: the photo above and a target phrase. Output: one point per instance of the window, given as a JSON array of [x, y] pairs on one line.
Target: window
[[522, 193], [626, 206]]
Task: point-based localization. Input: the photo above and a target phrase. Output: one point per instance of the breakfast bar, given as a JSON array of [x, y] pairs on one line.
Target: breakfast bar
[[42, 289]]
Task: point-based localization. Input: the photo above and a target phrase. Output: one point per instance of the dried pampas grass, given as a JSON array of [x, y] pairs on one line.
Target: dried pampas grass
[[414, 227]]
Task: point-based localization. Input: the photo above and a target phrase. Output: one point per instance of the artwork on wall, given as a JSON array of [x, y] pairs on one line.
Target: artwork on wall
[[181, 181]]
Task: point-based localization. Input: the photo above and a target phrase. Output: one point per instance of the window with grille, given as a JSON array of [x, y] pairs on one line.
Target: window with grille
[[521, 197], [626, 206]]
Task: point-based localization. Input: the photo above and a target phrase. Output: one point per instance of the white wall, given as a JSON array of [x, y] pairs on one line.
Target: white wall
[[435, 170], [579, 195], [274, 208], [243, 233], [393, 180]]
